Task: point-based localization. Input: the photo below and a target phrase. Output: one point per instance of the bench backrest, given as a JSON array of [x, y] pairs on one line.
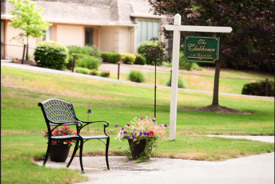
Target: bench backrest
[[58, 111]]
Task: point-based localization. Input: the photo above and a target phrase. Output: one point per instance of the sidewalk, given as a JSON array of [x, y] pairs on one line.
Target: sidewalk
[[256, 169]]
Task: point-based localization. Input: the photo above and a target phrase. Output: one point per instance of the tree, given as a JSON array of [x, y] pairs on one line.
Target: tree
[[27, 18], [250, 45]]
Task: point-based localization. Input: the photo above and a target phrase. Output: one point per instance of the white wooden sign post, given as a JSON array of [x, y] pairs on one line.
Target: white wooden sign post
[[177, 28]]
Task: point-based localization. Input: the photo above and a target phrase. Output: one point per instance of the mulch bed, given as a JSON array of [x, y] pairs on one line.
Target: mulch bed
[[215, 108]]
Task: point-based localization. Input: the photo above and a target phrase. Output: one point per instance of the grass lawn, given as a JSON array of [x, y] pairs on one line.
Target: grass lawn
[[231, 81], [22, 122]]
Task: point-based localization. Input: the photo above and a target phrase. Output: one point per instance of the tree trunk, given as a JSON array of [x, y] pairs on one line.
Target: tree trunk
[[216, 84], [27, 50]]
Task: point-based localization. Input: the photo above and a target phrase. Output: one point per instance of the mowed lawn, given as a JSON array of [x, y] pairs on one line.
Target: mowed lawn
[[22, 122]]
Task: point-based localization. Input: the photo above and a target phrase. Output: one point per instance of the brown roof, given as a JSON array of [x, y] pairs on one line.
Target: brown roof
[[89, 12]]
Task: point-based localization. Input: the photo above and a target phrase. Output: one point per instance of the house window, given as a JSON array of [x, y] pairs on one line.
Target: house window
[[48, 34], [89, 36], [147, 29]]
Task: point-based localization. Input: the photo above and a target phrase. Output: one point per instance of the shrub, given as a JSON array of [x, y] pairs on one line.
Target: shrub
[[50, 54], [140, 60], [88, 50], [85, 61], [181, 83], [136, 76], [105, 74], [186, 65], [110, 57], [144, 48], [128, 58], [93, 72], [258, 88], [82, 70]]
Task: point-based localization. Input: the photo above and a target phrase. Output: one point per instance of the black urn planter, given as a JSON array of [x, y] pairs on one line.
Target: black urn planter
[[59, 152], [138, 147]]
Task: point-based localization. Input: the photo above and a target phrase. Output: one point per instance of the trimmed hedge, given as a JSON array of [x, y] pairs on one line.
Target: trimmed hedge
[[258, 88], [50, 54], [111, 57], [105, 74], [128, 58], [140, 60]]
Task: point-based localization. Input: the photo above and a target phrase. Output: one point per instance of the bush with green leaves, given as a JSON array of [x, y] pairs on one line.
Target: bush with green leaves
[[82, 70], [128, 58], [111, 57], [181, 83], [186, 65], [50, 54], [93, 72], [88, 50], [140, 60], [85, 61], [258, 88], [136, 76], [146, 46], [105, 74]]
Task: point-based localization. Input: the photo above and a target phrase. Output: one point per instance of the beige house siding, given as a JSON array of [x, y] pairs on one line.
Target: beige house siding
[[70, 35], [14, 49]]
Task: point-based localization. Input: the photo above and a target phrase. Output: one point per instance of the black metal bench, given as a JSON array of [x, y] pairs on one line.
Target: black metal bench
[[60, 113]]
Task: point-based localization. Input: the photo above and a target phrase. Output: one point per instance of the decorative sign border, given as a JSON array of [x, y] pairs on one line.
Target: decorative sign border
[[201, 49]]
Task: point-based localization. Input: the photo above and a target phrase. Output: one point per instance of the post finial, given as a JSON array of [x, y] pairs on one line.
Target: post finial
[[177, 20]]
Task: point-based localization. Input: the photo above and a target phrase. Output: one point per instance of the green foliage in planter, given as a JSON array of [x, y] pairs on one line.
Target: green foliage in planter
[[105, 74], [128, 58], [181, 83], [136, 76], [185, 65], [50, 54], [258, 88], [93, 72], [145, 46], [82, 70], [140, 60], [88, 50], [111, 57]]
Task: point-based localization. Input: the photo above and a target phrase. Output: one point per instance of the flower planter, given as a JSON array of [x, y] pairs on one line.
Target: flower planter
[[138, 148], [59, 152]]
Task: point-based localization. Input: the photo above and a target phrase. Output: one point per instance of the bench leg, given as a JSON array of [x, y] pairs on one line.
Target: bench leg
[[75, 150], [80, 156], [106, 153], [47, 154]]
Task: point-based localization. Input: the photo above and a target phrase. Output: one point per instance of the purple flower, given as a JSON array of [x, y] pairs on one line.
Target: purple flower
[[133, 137], [116, 126], [165, 126], [144, 133], [122, 129], [140, 133], [147, 133], [125, 132], [154, 120], [132, 134]]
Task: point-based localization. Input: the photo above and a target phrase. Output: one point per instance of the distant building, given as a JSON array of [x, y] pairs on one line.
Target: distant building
[[110, 25]]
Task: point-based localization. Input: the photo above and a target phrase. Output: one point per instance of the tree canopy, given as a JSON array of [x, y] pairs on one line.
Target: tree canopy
[[250, 45], [27, 18]]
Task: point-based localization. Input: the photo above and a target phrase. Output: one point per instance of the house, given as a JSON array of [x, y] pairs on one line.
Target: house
[[111, 25]]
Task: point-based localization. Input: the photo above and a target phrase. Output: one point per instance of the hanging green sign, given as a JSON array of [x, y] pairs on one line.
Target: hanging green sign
[[201, 49]]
